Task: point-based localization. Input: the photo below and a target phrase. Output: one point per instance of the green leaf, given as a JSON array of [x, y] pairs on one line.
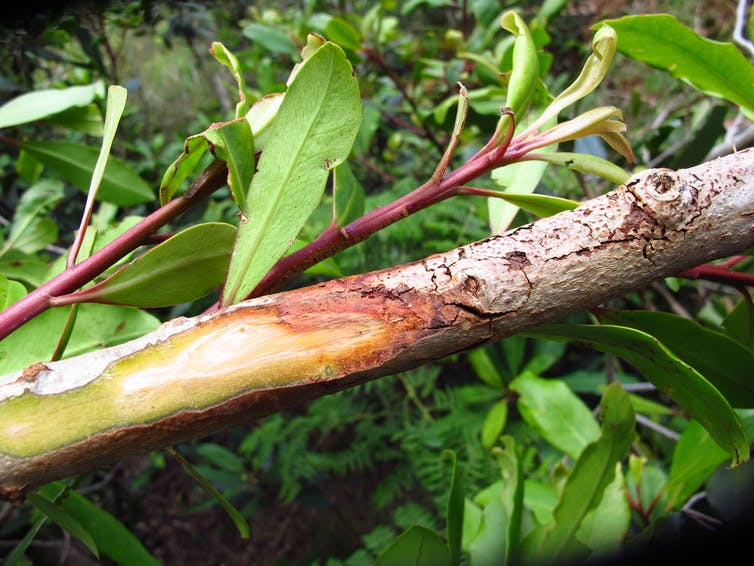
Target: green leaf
[[486, 548], [313, 132], [75, 162], [512, 497], [238, 519], [29, 231], [583, 163], [113, 539], [98, 326], [185, 267], [272, 39], [695, 457], [721, 360], [340, 31], [233, 143], [454, 510], [221, 457], [678, 380], [261, 115], [348, 195], [194, 149], [591, 475], [525, 72], [43, 103], [64, 519], [550, 407], [87, 119], [541, 205], [10, 292], [224, 56], [519, 178], [494, 423], [417, 546], [714, 68], [604, 528], [485, 367]]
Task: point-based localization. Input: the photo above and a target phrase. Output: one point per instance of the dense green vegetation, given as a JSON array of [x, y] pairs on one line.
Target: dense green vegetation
[[532, 448]]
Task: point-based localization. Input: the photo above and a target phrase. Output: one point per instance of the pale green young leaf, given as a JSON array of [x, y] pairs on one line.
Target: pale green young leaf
[[233, 143], [227, 58], [595, 68], [714, 68], [494, 423], [525, 71], [261, 115], [116, 103], [271, 39], [74, 162], [185, 267], [39, 104], [194, 149], [583, 163], [511, 469], [314, 131], [674, 377], [556, 412], [540, 205]]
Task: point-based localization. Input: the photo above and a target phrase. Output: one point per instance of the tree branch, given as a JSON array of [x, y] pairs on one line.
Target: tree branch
[[193, 377]]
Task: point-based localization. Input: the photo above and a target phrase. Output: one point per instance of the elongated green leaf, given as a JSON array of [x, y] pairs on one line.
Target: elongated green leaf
[[113, 539], [43, 103], [519, 178], [494, 423], [584, 163], [454, 510], [183, 268], [604, 528], [270, 38], [348, 197], [714, 68], [16, 555], [525, 71], [314, 131], [721, 360], [194, 149], [74, 162], [64, 519], [261, 115], [417, 546], [556, 413], [224, 56], [591, 475], [86, 119], [695, 457], [678, 380], [238, 519], [116, 103], [511, 469], [232, 142], [541, 205]]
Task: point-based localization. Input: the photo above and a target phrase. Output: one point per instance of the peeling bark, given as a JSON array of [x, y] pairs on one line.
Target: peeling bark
[[193, 377]]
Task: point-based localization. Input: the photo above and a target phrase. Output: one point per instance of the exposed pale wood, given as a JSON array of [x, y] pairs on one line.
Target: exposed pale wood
[[196, 376]]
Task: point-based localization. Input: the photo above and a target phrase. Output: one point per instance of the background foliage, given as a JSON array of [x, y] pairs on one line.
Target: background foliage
[[498, 432]]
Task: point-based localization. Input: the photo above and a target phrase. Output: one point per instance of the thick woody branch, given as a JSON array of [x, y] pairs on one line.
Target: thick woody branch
[[193, 377]]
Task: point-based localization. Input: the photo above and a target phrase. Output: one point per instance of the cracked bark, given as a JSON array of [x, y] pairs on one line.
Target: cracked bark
[[193, 377]]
